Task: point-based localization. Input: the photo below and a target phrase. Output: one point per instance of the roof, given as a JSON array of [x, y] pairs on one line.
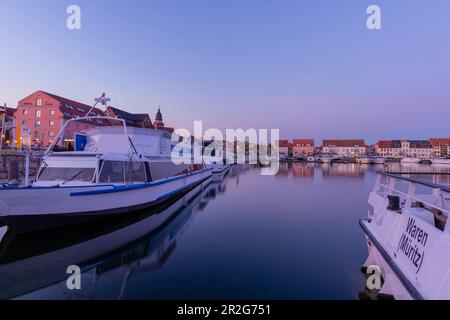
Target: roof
[[71, 108], [344, 143], [389, 144], [9, 111], [137, 117], [420, 144], [283, 143], [439, 141], [303, 142]]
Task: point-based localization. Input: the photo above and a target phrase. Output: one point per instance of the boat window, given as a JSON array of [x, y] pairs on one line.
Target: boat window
[[66, 174], [136, 172], [112, 172]]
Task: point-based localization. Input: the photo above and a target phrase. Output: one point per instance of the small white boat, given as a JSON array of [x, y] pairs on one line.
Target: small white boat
[[377, 160], [410, 160], [441, 161], [115, 171], [408, 237], [311, 159], [363, 160], [325, 158]]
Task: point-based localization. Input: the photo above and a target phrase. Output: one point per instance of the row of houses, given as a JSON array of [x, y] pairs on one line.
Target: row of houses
[[40, 116], [423, 149]]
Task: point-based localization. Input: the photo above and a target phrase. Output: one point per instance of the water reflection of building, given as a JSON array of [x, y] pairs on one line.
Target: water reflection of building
[[303, 170], [347, 170], [109, 254]]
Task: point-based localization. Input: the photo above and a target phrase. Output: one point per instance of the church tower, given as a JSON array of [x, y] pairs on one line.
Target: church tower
[[158, 120]]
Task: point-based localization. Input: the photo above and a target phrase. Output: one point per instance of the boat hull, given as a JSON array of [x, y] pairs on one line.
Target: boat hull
[[34, 209]]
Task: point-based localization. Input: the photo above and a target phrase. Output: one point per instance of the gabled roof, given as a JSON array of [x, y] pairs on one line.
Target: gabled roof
[[137, 117], [72, 109], [344, 143], [283, 143], [303, 142], [389, 144], [439, 141]]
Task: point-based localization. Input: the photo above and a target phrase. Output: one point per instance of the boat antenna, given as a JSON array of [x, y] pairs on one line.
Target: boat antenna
[[103, 100]]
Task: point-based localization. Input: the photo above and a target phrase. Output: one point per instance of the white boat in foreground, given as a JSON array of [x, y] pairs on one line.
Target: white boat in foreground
[[408, 237], [119, 170], [410, 160]]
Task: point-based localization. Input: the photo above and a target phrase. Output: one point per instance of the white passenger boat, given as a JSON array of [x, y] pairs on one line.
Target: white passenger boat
[[408, 237], [218, 168], [445, 160], [117, 170], [410, 160]]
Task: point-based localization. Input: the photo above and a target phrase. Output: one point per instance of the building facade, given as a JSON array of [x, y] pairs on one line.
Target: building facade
[[345, 148], [441, 147], [43, 114], [302, 147], [7, 125], [283, 148], [421, 149]]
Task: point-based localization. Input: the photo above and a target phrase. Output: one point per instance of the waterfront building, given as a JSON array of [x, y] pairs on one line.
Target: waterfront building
[[344, 148], [7, 125], [283, 148], [389, 148], [441, 147], [421, 149], [139, 120], [302, 147], [43, 115]]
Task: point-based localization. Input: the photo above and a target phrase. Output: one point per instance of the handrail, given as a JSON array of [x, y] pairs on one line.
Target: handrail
[[418, 181], [61, 132]]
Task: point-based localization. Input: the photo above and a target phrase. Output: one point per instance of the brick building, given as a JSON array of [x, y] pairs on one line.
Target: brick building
[[302, 147]]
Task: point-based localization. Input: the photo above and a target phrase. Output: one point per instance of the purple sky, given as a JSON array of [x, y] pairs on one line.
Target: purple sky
[[310, 68]]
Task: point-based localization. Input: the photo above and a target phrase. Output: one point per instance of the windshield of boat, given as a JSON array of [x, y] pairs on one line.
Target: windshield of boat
[[66, 174]]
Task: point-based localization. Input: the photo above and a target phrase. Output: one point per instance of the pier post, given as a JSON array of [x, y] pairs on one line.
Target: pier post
[[13, 170], [27, 169]]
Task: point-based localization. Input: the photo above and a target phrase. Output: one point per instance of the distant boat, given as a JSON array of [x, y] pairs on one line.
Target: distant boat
[[445, 160], [363, 160], [311, 159], [325, 158], [410, 160], [377, 160]]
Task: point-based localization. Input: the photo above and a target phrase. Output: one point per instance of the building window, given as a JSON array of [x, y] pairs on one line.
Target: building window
[[24, 112], [24, 122], [38, 113], [39, 102], [50, 133], [37, 124], [51, 123], [52, 112]]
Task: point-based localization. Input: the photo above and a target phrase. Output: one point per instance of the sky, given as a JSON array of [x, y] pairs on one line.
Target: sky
[[311, 68]]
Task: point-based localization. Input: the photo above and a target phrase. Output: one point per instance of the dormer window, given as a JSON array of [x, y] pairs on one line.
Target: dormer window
[[39, 102]]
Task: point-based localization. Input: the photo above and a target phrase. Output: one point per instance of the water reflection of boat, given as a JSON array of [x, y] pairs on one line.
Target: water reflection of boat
[[408, 236], [37, 260]]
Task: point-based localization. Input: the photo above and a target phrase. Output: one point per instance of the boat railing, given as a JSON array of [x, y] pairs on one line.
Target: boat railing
[[436, 200], [60, 134]]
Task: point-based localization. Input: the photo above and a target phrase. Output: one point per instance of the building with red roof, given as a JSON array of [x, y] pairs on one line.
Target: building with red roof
[[345, 148]]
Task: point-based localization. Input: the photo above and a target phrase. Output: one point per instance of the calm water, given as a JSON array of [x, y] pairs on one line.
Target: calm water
[[290, 236]]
